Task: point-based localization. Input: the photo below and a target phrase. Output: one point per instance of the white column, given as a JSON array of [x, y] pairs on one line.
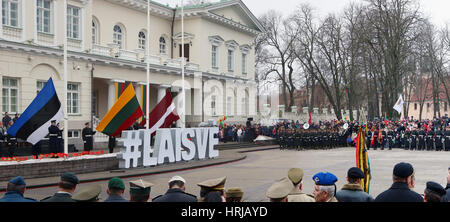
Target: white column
[[162, 92], [111, 94]]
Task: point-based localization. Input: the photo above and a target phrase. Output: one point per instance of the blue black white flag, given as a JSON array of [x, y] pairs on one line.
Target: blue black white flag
[[33, 124]]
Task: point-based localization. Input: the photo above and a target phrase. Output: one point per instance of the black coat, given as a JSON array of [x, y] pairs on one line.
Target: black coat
[[53, 141], [446, 197], [399, 192], [175, 195], [88, 140], [59, 197]]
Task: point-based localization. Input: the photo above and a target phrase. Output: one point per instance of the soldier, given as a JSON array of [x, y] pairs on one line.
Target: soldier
[[447, 140], [53, 131], [280, 190], [88, 194], [325, 187], [140, 190], [2, 138], [296, 195], [176, 192], [353, 192], [87, 135], [15, 190], [421, 144], [115, 191], [438, 140], [11, 142], [429, 140], [67, 186], [211, 189], [390, 139], [60, 142]]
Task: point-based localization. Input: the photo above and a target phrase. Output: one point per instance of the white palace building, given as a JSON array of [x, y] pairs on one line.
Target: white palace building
[[106, 48]]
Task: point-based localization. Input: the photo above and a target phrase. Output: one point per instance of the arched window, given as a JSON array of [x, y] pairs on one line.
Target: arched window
[[162, 45], [142, 40], [118, 36], [95, 31]]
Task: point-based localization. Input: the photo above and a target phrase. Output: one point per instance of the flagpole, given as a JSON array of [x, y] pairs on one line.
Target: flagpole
[[147, 98], [66, 124], [182, 66]]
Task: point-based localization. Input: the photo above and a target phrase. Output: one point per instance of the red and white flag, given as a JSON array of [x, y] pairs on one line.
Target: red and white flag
[[372, 140], [163, 114]]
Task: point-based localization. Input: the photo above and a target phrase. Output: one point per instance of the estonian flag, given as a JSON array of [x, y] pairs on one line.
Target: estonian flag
[[33, 124]]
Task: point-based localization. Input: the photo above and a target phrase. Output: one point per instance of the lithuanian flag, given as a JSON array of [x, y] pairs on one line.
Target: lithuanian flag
[[122, 114], [362, 159]]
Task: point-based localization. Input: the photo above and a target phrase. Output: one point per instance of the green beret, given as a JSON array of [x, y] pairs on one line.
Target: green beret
[[280, 189], [88, 194], [116, 183], [70, 177], [295, 175], [234, 192]]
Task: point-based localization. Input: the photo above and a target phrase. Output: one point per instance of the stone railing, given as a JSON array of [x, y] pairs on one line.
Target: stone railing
[[101, 50], [12, 33], [45, 39], [128, 55]]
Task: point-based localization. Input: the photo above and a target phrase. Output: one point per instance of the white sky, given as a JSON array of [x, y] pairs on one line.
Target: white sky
[[438, 10]]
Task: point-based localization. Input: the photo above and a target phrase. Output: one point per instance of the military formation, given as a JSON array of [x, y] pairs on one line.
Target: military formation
[[409, 140], [300, 139]]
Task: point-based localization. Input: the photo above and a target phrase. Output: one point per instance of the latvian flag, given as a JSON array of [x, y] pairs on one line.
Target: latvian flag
[[163, 114], [122, 114], [33, 124]]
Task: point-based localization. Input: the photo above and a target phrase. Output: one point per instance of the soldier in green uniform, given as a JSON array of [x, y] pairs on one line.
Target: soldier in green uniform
[[88, 194], [210, 188], [296, 195], [140, 190], [67, 186]]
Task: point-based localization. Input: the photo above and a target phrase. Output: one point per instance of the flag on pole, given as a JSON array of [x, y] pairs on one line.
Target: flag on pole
[[122, 114], [163, 114], [385, 119], [310, 119], [372, 140], [33, 124], [399, 105], [362, 160]]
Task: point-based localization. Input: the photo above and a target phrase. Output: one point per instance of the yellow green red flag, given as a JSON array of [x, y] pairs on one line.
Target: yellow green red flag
[[362, 159]]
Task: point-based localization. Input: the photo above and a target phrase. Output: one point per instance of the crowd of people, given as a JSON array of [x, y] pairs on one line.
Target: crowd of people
[[287, 189]]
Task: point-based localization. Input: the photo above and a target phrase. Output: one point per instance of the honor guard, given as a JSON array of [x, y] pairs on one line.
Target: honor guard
[[60, 140], [11, 141], [53, 131], [447, 141], [87, 135]]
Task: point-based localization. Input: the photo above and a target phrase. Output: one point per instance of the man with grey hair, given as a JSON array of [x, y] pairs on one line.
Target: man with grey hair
[[325, 187]]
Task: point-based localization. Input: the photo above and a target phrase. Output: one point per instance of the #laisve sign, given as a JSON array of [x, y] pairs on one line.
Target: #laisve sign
[[171, 145]]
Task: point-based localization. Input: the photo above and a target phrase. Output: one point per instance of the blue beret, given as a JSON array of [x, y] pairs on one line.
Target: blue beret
[[403, 170], [325, 178], [436, 188], [18, 181]]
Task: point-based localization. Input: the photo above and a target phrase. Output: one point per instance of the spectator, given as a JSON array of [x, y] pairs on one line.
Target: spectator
[[15, 190], [67, 186], [446, 198], [433, 192], [176, 192], [115, 191], [16, 117], [140, 190], [353, 192], [296, 195], [88, 194], [2, 138], [280, 190], [234, 195], [210, 188], [239, 134], [403, 178], [325, 187], [6, 119]]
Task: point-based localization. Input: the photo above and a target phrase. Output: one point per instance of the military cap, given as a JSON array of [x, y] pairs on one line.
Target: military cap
[[403, 170], [295, 175], [70, 177], [18, 181], [116, 183], [88, 194], [355, 172], [177, 178], [140, 187], [280, 189], [325, 179], [53, 121], [436, 188], [234, 192], [213, 184]]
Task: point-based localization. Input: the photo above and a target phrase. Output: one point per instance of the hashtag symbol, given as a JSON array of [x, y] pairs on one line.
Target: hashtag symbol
[[131, 142]]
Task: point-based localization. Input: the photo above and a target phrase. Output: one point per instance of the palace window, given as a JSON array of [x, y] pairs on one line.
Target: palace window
[[118, 36], [244, 63], [95, 31], [214, 59], [10, 95], [230, 60], [73, 22], [73, 98], [39, 86], [44, 16], [10, 13], [162, 45], [141, 40]]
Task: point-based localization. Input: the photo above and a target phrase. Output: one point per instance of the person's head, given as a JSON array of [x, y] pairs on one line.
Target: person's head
[[87, 124], [6, 113], [53, 122], [11, 123], [296, 176], [88, 194], [325, 187], [354, 175], [280, 190], [433, 192], [116, 186], [404, 173], [68, 182], [140, 190], [16, 184], [212, 185], [234, 194], [177, 182], [17, 115]]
